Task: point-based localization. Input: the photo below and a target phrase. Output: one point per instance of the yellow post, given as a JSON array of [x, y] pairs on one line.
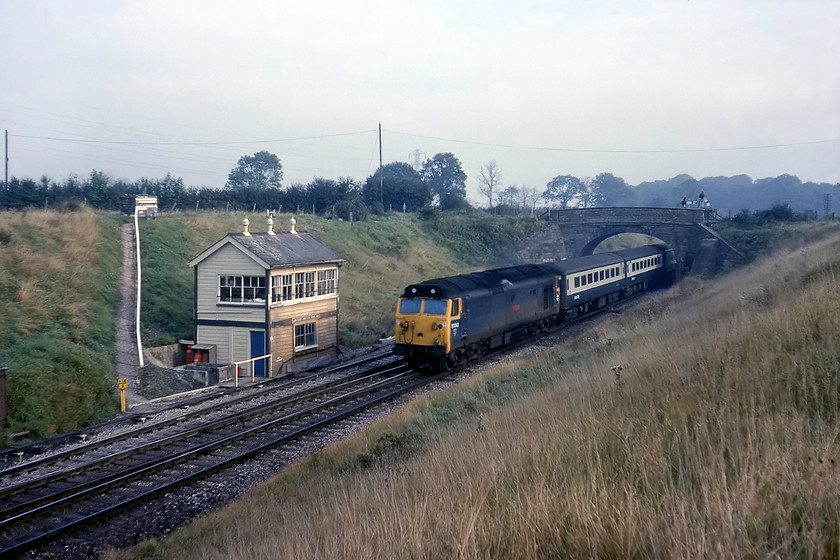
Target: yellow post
[[123, 382]]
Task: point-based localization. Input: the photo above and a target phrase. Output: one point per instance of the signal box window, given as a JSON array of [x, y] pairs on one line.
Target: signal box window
[[304, 284], [326, 281], [281, 288], [242, 289], [305, 336]]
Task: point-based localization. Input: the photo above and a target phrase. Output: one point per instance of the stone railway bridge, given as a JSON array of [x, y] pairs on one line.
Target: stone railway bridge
[[578, 231]]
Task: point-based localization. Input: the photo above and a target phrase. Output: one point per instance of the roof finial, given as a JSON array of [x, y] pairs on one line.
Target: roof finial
[[270, 223], [292, 223], [245, 224]]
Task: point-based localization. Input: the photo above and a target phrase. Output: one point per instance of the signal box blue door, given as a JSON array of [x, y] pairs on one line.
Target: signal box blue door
[[258, 349]]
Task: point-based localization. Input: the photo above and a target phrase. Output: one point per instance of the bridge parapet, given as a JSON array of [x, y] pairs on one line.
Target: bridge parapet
[[631, 215]]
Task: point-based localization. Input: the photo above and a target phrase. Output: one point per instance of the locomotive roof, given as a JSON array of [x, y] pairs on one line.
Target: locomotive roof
[[454, 286]]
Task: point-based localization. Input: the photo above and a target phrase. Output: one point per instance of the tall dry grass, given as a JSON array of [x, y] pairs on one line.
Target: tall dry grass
[[701, 424], [58, 294]]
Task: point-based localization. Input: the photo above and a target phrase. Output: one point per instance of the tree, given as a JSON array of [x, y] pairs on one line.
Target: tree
[[609, 190], [324, 194], [587, 194], [530, 197], [259, 172], [509, 196], [563, 189], [489, 177], [99, 191], [446, 180], [401, 184]]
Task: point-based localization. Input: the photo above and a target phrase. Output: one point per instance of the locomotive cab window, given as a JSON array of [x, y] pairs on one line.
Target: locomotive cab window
[[456, 307], [410, 306], [434, 307]]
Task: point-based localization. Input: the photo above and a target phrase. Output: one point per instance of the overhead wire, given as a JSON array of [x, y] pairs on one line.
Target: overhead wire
[[620, 151], [161, 148]]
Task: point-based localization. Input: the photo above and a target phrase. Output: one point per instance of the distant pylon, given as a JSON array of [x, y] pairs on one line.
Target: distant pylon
[[417, 165]]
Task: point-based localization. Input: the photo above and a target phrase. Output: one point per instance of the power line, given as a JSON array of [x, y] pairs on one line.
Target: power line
[[625, 151], [188, 143]]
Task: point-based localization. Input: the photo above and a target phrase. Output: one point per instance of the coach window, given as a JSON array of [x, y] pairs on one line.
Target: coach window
[[601, 274], [577, 281]]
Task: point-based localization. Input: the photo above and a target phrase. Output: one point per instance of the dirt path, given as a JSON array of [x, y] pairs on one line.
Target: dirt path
[[126, 343]]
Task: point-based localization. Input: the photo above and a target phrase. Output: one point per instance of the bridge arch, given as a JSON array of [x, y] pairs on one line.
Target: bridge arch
[[576, 232], [592, 245]]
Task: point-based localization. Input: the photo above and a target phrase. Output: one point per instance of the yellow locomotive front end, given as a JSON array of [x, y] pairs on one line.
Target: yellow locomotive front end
[[424, 328]]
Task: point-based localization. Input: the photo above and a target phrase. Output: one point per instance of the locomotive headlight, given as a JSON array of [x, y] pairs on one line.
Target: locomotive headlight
[[434, 326]]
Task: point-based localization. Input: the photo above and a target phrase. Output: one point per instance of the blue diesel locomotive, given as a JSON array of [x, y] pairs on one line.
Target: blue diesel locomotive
[[453, 320]]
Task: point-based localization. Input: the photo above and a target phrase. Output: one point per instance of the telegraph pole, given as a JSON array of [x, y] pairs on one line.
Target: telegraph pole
[[6, 180], [381, 199]]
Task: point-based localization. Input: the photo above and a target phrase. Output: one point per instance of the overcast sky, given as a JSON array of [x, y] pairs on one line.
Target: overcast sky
[[641, 89]]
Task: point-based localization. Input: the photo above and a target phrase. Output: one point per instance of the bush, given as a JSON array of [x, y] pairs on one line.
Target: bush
[[355, 206], [56, 385]]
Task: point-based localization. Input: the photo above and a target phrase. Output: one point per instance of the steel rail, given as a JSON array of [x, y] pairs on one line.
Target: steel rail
[[153, 426], [92, 488], [54, 533], [227, 420]]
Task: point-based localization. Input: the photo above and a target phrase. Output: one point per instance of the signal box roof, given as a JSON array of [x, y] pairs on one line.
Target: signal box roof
[[278, 250]]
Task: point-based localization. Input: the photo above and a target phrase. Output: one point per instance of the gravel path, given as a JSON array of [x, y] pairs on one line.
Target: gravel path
[[128, 364]]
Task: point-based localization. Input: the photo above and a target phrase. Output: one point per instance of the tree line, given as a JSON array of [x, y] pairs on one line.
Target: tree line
[[256, 183]]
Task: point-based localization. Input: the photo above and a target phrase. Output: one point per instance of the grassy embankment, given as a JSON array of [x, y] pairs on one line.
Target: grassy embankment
[[717, 437], [58, 295]]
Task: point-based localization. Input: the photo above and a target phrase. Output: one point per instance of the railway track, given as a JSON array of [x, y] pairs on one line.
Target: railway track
[[68, 488], [76, 490], [31, 459]]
